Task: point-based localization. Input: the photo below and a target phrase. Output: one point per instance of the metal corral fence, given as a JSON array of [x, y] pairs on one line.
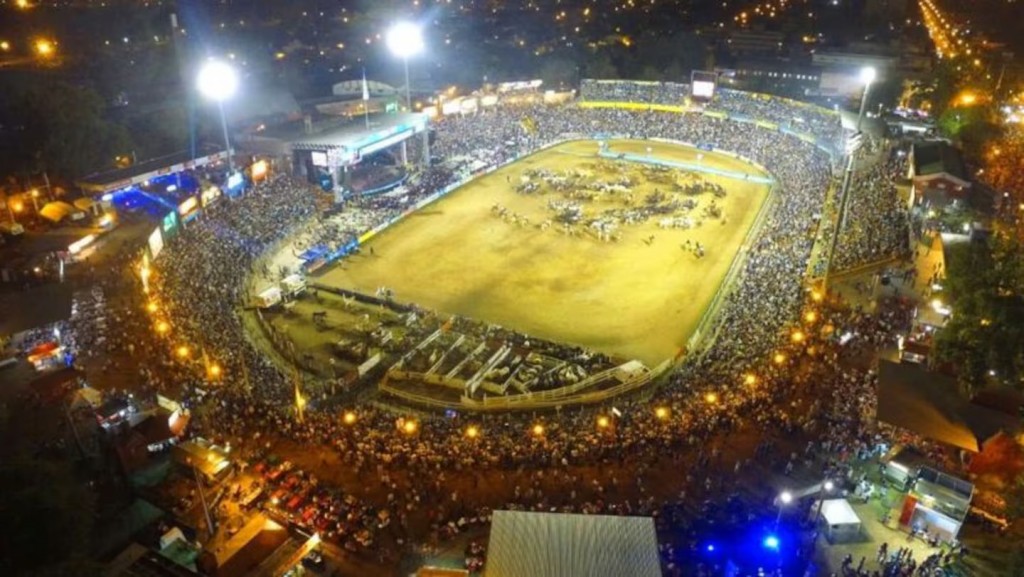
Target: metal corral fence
[[569, 395]]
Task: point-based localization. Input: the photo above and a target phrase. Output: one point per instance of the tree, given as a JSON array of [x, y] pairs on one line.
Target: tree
[[49, 516], [600, 66], [558, 71], [985, 336], [58, 127]]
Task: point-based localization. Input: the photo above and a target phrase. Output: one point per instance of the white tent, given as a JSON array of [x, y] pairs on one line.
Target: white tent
[[841, 523], [174, 534]]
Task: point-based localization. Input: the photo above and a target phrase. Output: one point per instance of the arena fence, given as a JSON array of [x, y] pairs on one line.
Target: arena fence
[[697, 340], [554, 398]]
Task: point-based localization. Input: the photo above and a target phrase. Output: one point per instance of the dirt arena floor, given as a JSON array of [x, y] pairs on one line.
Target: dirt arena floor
[[640, 296]]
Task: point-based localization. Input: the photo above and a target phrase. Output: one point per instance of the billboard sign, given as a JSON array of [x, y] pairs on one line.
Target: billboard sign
[[702, 85]]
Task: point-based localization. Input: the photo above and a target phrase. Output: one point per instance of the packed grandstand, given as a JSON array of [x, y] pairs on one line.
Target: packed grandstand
[[200, 281]]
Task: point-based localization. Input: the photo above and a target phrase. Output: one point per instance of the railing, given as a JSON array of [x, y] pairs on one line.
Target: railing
[[731, 276], [532, 401]]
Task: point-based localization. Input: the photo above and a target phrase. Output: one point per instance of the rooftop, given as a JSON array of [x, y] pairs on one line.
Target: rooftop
[[525, 544], [119, 178], [938, 157], [349, 133], [929, 403]]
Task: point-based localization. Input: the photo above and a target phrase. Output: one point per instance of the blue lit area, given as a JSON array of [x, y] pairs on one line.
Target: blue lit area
[[156, 196], [749, 548], [134, 200]]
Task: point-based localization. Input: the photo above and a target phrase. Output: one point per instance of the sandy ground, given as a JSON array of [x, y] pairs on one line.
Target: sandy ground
[[627, 298]]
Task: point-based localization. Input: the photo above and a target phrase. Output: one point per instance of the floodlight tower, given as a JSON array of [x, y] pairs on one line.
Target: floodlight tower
[[404, 40], [218, 81], [867, 77]]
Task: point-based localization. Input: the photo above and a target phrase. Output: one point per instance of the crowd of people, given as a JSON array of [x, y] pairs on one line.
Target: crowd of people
[[878, 222], [749, 375], [737, 104]]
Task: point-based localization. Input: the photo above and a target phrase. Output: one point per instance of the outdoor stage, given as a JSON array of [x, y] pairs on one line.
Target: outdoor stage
[[639, 297]]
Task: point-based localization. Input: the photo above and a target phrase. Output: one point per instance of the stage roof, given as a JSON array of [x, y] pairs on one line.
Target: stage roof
[[349, 133], [525, 544]]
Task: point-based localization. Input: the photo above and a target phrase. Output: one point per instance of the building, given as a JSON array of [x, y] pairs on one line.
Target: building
[[938, 175], [773, 76], [854, 60], [762, 43], [208, 460], [929, 404], [525, 544]]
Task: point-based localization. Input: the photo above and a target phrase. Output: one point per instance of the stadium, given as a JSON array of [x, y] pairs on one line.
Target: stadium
[[561, 254], [383, 345], [542, 265]]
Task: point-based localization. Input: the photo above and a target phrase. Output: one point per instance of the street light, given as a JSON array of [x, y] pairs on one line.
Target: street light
[[785, 498], [826, 487], [218, 81], [868, 74], [44, 47], [405, 39]]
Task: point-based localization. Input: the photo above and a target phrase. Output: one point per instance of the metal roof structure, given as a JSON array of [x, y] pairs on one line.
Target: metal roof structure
[[525, 544], [929, 403], [938, 158], [104, 182]]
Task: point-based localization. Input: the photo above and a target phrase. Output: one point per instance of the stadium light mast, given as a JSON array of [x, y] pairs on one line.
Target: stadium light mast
[[218, 81], [404, 40], [868, 74]]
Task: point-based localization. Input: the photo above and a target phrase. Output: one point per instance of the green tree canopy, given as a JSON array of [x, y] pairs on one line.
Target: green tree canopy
[[985, 336], [48, 515], [57, 127]]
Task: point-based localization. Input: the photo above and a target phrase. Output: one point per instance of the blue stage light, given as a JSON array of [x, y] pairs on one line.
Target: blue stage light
[[771, 542], [710, 548]]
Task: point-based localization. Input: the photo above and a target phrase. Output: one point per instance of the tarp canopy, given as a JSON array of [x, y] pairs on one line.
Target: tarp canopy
[[57, 211], [525, 544], [85, 204]]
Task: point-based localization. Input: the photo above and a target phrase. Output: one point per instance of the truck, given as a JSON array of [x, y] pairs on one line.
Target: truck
[[293, 285], [269, 298]]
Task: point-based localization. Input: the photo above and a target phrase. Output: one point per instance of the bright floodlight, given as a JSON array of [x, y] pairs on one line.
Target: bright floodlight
[[868, 74], [405, 39], [829, 485], [785, 497], [771, 542], [217, 81]]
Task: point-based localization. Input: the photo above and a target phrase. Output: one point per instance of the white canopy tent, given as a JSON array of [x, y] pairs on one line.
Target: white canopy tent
[[841, 523]]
